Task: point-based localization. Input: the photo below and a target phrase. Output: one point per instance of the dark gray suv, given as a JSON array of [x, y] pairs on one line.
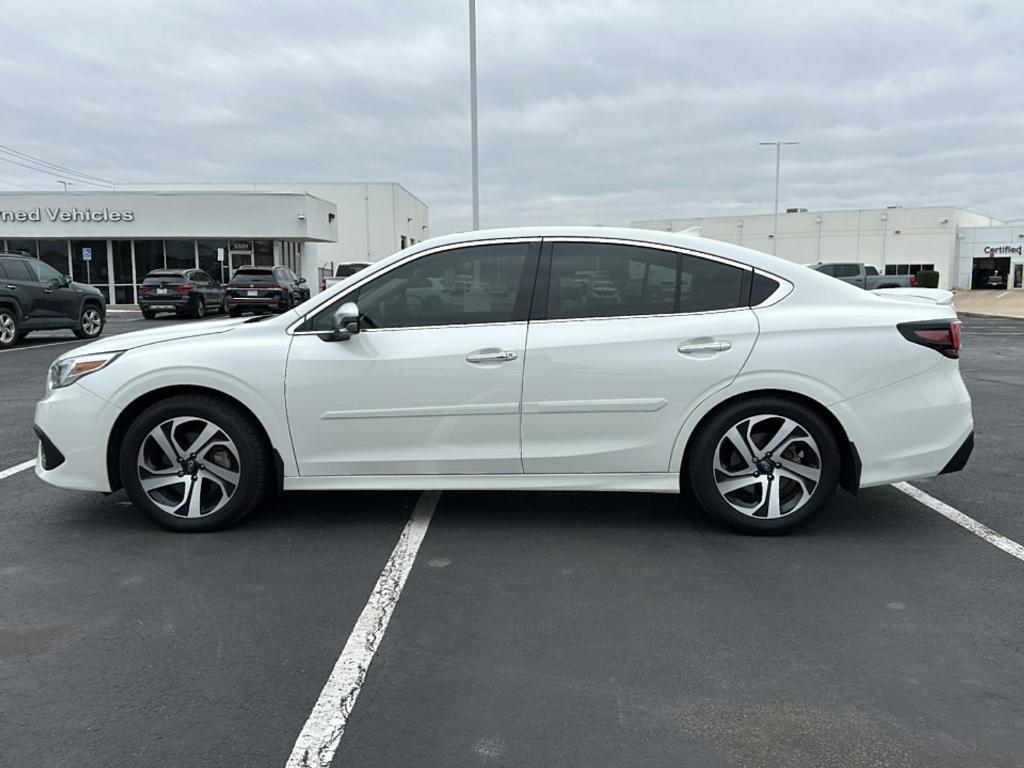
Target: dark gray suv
[[36, 297]]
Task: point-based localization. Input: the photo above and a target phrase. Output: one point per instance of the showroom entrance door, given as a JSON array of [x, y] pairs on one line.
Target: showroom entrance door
[[240, 255]]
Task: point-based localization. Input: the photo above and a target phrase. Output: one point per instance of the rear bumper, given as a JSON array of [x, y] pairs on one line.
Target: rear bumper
[[916, 428]]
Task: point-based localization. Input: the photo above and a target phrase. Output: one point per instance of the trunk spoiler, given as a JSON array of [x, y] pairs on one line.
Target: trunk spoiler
[[923, 295]]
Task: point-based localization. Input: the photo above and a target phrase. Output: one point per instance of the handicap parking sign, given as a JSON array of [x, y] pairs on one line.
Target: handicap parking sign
[[87, 254]]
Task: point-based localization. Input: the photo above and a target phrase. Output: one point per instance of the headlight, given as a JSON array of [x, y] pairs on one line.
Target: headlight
[[71, 369]]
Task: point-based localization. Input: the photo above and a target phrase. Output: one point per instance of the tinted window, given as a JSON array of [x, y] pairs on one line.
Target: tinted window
[[870, 271], [478, 284], [18, 270], [826, 269], [761, 288], [846, 270], [202, 277], [3, 272], [255, 276], [610, 280], [45, 273], [345, 270], [163, 278]]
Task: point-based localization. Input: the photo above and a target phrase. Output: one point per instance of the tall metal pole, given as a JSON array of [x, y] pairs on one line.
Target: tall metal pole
[[472, 114], [778, 167]]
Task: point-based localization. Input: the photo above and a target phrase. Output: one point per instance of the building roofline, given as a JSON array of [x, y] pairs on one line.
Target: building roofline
[[817, 212]]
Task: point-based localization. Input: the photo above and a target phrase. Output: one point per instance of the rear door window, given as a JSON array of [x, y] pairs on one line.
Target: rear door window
[[589, 279], [847, 270], [18, 270]]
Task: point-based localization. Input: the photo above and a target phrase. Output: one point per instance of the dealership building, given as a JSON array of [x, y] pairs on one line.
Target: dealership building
[[969, 250], [111, 239]]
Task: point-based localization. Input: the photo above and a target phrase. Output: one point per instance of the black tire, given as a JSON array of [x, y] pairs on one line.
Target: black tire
[[9, 333], [199, 310], [805, 498], [149, 315], [90, 322], [253, 458], [224, 305]]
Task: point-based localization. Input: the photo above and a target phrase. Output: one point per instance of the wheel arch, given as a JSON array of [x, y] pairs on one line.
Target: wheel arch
[[849, 471], [131, 411]]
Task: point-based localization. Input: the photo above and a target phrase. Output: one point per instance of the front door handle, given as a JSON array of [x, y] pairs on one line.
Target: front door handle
[[704, 346], [498, 356], [10, 287]]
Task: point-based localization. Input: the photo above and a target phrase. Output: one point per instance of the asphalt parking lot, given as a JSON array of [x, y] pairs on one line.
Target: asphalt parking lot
[[534, 629]]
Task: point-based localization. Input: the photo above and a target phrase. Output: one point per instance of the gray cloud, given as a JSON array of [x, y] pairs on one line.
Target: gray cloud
[[591, 112]]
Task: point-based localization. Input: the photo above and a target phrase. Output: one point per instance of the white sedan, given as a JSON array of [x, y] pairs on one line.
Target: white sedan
[[757, 383]]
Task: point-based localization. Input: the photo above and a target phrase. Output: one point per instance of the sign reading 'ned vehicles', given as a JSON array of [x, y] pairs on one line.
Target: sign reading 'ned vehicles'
[[65, 214]]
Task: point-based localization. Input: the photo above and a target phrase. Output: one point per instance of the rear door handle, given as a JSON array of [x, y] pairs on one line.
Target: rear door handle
[[704, 346], [499, 356], [10, 287]]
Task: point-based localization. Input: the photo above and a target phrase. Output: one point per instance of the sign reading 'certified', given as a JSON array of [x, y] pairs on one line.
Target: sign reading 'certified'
[[66, 214]]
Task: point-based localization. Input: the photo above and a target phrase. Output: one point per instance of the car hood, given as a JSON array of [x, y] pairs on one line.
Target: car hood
[[123, 341]]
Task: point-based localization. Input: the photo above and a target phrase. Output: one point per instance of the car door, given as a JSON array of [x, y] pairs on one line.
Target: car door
[[423, 388], [611, 375], [56, 301], [211, 293], [21, 283]]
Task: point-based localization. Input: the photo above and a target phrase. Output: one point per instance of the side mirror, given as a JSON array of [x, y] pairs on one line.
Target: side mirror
[[302, 281], [344, 324]]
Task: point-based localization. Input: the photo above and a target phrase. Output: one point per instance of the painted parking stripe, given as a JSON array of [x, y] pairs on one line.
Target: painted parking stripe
[[978, 529], [17, 468], [40, 346], [320, 736]]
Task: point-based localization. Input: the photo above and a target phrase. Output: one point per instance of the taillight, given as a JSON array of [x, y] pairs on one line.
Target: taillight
[[323, 285], [941, 335], [913, 281], [186, 288], [143, 289]]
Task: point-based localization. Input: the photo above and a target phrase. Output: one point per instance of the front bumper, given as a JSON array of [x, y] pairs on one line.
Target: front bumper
[[77, 425]]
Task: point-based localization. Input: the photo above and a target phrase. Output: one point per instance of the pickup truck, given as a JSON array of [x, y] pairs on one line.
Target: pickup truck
[[347, 269], [864, 275]]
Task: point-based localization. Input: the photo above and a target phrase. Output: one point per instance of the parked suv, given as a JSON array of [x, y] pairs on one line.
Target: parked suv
[[36, 297], [190, 292], [265, 289]]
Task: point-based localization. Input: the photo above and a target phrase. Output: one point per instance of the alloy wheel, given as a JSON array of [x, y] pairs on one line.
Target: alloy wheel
[[188, 467], [767, 466], [8, 328], [92, 323]]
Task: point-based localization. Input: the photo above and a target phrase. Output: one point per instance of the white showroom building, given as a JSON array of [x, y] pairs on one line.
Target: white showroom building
[[896, 240], [112, 239]]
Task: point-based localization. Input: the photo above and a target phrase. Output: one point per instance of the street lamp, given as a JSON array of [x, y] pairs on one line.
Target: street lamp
[[472, 114], [778, 165], [739, 230], [885, 218], [66, 184], [817, 221]]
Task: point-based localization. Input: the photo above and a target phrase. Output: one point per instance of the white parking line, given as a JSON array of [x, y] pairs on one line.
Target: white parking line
[[17, 468], [40, 346], [320, 736], [978, 529]]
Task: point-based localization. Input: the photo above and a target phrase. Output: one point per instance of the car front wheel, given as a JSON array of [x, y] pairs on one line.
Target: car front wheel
[[90, 324], [765, 466], [195, 463]]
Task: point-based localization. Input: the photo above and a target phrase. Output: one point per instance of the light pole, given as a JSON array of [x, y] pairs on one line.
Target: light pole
[[472, 114], [778, 166], [817, 259], [885, 218], [739, 230], [66, 184]]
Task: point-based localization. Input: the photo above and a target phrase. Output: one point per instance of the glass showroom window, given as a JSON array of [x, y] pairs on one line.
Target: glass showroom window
[[23, 246], [208, 259], [149, 255], [181, 254], [55, 253], [263, 253], [124, 285], [93, 271], [907, 269]]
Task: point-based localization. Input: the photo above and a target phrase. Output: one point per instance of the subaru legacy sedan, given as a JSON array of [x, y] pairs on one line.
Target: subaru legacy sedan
[[757, 384]]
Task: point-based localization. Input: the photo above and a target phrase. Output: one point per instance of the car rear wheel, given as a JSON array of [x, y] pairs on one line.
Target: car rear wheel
[[148, 314], [9, 333], [199, 310], [765, 466], [90, 324], [195, 463]]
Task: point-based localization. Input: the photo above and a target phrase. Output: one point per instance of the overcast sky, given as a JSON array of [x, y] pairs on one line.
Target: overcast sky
[[591, 112]]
